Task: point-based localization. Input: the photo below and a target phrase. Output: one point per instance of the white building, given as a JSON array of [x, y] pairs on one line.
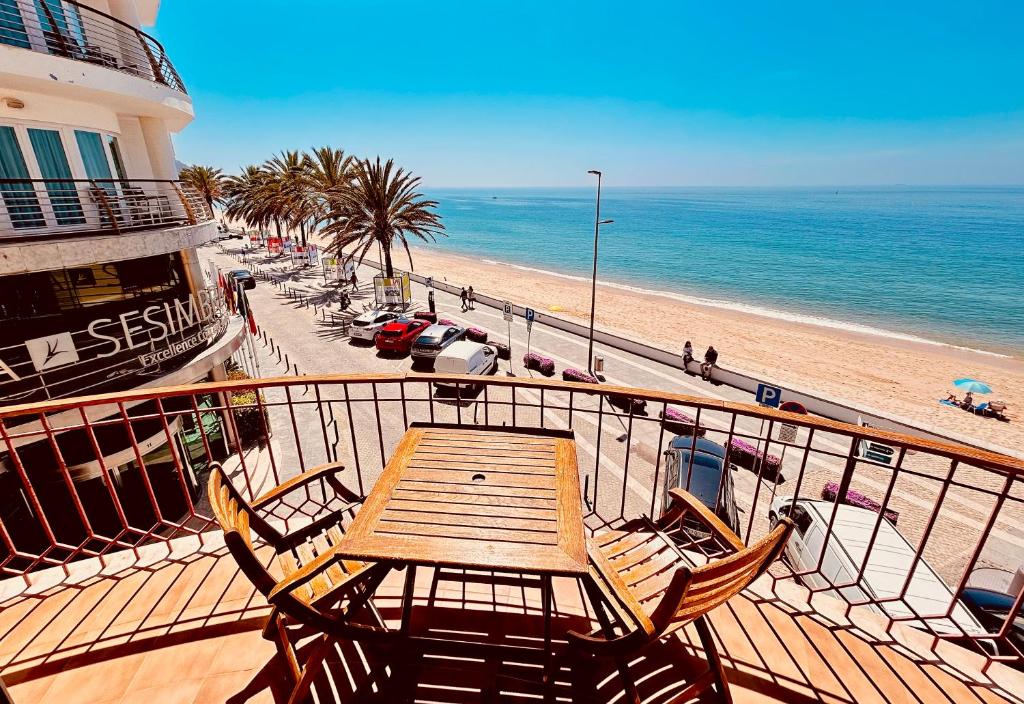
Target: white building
[[100, 290]]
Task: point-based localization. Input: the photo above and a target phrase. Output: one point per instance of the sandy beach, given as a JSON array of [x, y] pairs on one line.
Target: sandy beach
[[902, 377]]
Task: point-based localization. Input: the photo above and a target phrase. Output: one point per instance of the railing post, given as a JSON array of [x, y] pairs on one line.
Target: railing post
[[189, 213], [154, 65], [101, 195]]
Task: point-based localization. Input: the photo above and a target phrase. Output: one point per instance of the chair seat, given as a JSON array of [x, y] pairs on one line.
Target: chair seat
[[330, 579], [643, 557]]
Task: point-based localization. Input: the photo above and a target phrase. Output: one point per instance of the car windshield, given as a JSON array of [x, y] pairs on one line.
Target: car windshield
[[427, 340], [704, 480]]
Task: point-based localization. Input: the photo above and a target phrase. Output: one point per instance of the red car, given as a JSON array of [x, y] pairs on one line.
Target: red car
[[399, 335]]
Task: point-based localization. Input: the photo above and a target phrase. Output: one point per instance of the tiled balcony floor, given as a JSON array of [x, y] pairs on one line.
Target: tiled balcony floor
[[188, 632]]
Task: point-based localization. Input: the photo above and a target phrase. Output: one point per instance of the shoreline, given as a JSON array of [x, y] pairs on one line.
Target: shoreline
[[904, 376], [754, 309]]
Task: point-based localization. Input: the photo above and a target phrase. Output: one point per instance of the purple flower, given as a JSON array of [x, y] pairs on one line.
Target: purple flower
[[543, 364], [445, 321], [579, 376], [476, 335], [855, 498]]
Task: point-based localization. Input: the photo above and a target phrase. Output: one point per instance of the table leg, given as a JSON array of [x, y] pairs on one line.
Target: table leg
[[545, 595], [407, 595]]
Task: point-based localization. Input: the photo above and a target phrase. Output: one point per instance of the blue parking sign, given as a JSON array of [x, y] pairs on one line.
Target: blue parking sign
[[768, 395], [530, 315]]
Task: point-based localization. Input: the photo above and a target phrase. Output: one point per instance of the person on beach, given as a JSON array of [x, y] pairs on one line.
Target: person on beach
[[687, 354], [465, 299], [968, 402], [472, 299], [354, 281], [710, 359]]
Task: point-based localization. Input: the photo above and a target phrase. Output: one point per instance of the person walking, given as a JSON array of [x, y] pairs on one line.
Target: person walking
[[472, 299], [710, 359], [465, 299], [354, 281]]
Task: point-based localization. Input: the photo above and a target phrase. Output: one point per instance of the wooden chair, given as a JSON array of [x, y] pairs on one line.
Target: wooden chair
[[316, 581], [651, 589]]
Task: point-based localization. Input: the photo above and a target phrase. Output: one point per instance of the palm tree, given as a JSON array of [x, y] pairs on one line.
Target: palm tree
[[243, 195], [288, 190], [205, 179], [381, 206]]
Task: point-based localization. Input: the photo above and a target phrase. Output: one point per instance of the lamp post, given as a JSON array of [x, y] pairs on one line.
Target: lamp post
[[593, 283]]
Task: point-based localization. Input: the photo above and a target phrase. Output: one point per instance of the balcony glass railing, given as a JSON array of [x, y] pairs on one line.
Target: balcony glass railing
[[33, 208], [104, 474], [74, 31]]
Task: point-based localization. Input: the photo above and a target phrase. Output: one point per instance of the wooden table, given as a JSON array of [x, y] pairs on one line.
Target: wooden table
[[483, 498]]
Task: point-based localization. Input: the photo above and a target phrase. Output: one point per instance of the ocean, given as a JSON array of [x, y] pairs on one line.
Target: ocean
[[944, 265]]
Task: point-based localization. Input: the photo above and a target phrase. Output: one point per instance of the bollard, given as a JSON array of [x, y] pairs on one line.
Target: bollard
[[279, 353]]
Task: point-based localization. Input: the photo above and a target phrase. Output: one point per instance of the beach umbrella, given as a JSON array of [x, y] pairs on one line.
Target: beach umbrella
[[972, 385]]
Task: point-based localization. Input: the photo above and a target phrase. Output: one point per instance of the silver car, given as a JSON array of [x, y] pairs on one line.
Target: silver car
[[434, 339], [367, 325]]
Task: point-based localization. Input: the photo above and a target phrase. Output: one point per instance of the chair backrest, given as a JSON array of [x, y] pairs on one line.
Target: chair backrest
[[716, 582], [235, 516]]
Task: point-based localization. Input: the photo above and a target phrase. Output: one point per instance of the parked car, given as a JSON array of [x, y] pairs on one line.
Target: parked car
[[244, 276], [366, 325], [465, 357], [707, 478], [883, 572], [434, 339], [398, 335], [990, 595]]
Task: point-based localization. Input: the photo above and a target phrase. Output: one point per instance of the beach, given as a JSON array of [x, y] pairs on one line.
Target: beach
[[897, 376]]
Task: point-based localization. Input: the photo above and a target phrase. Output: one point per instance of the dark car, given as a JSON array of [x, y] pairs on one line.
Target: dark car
[[434, 339], [399, 335], [706, 477], [991, 608], [243, 276]]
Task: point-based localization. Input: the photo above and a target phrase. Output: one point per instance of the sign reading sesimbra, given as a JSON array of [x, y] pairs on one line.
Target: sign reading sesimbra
[[133, 329]]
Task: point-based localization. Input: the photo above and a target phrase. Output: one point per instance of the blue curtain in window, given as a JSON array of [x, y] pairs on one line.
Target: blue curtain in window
[[53, 164], [12, 26], [20, 198], [90, 145]]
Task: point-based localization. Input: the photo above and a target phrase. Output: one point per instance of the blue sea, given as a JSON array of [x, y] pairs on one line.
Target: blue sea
[[940, 264]]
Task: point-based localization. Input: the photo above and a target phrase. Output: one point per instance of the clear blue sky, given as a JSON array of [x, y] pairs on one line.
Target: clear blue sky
[[654, 93]]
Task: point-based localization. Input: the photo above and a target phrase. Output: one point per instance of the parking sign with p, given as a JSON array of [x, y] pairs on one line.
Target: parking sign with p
[[768, 395]]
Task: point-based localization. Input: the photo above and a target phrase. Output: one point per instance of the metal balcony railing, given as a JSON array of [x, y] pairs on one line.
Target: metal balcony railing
[[958, 508], [78, 32], [31, 208]]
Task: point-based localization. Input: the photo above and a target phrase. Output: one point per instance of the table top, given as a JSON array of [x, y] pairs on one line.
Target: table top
[[476, 497]]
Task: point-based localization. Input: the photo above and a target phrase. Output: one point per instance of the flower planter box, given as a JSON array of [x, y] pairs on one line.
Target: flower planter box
[[678, 423], [743, 454], [540, 363], [637, 406], [855, 498], [445, 321], [576, 375], [504, 351], [424, 315], [476, 335]]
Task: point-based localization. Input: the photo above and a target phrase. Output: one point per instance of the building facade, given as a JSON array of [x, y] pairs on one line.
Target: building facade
[[100, 288]]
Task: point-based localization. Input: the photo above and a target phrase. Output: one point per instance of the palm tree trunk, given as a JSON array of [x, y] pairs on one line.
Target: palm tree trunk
[[302, 232], [389, 269], [277, 224]]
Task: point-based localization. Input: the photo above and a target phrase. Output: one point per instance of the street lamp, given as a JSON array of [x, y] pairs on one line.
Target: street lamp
[[593, 283]]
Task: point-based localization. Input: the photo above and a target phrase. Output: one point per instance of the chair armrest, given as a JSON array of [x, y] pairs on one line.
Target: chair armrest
[[683, 502], [324, 471]]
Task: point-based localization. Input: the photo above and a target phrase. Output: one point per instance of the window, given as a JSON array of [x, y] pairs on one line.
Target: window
[[20, 198], [53, 165], [115, 156], [12, 26], [801, 517], [90, 146]]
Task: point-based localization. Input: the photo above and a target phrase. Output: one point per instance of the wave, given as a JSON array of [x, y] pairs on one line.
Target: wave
[[762, 311]]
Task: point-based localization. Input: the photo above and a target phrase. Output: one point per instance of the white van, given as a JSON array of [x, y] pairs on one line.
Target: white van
[[885, 569], [465, 357]]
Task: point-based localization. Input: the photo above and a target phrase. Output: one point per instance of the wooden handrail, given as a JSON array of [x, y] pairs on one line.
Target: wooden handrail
[[974, 456]]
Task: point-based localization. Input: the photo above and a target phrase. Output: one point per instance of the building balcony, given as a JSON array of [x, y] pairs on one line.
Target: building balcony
[[77, 32], [123, 590], [33, 210]]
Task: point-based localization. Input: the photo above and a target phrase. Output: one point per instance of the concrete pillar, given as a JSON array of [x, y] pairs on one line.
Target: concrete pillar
[[159, 148]]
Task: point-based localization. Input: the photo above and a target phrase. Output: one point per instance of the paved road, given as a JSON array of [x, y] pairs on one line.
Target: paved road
[[619, 454]]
